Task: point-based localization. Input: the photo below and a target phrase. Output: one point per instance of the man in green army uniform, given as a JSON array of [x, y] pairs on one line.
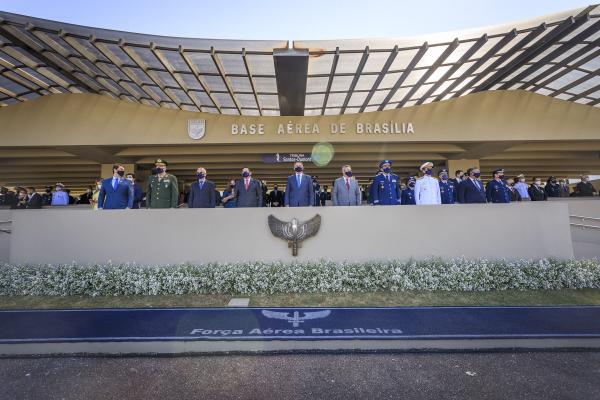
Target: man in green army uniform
[[163, 190]]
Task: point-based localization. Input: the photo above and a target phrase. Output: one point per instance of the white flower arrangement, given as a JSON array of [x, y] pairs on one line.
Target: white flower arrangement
[[299, 277]]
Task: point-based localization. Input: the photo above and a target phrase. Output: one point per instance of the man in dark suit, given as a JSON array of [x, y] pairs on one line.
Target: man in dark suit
[[276, 197], [34, 199], [202, 192], [299, 190], [116, 192], [248, 191], [138, 193], [471, 190], [459, 176]]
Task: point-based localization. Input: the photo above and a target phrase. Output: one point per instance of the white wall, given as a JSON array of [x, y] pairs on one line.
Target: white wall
[[526, 230]]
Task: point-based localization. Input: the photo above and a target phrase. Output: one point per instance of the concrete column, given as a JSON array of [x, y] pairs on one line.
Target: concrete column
[[463, 164]]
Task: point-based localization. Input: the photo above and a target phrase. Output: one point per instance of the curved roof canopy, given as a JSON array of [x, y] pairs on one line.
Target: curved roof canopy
[[557, 55]]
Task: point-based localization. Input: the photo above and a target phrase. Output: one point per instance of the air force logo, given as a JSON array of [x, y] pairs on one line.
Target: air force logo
[[196, 128], [296, 319]]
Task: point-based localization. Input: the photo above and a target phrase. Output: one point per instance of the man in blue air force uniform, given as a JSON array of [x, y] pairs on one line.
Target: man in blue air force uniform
[[447, 188], [497, 190], [386, 187]]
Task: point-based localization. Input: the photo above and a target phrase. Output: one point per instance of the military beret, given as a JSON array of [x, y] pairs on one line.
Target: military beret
[[497, 170], [428, 164], [384, 162], [160, 161]]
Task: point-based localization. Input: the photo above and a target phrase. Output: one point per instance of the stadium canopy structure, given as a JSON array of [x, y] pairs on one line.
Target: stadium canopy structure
[[557, 56]]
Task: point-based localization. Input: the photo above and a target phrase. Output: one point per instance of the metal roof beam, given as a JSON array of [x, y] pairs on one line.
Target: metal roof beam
[[357, 74], [380, 76], [199, 78], [334, 63], [221, 69], [465, 57], [407, 71], [563, 29], [291, 72], [555, 53], [451, 47], [251, 78]]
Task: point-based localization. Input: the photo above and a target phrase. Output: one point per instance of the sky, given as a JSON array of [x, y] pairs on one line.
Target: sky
[[288, 20]]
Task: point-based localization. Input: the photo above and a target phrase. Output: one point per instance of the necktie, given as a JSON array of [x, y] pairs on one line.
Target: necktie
[[298, 180], [115, 182], [348, 184], [246, 184], [201, 184]]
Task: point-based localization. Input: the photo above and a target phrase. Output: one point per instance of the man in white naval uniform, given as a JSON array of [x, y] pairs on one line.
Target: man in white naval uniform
[[427, 188]]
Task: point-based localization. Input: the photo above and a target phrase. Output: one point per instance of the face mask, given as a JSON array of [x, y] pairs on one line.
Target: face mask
[[245, 174], [200, 175], [348, 174], [58, 189], [120, 173], [428, 172], [411, 185], [444, 176], [538, 183], [387, 170], [159, 170], [299, 169], [501, 176], [99, 186], [130, 179], [232, 185], [553, 181], [477, 174]]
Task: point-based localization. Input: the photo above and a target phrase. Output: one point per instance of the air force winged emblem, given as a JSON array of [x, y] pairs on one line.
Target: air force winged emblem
[[296, 319], [196, 128], [294, 231]]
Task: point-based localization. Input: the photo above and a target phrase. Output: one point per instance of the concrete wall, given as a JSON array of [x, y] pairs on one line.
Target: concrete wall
[[527, 230], [586, 241]]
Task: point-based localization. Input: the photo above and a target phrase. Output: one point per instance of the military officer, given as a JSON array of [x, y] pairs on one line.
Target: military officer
[[427, 188], [408, 193], [496, 190], [447, 188], [386, 190], [163, 190]]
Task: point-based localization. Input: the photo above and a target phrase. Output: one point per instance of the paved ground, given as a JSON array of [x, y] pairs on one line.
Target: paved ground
[[540, 375]]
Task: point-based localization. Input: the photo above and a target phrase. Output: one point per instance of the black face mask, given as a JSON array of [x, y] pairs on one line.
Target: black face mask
[[120, 173], [275, 188]]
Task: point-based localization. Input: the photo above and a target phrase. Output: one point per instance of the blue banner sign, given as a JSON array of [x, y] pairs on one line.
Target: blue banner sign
[[286, 158], [298, 323]]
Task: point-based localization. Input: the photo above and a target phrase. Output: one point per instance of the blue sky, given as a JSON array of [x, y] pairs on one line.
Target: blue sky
[[288, 20]]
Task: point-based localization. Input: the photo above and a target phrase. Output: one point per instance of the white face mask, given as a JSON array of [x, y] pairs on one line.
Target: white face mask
[[99, 186]]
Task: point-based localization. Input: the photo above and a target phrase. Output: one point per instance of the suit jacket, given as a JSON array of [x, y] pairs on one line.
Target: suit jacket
[[341, 196], [202, 198], [138, 195], [35, 201], [253, 197], [119, 198], [299, 196], [468, 192], [276, 197]]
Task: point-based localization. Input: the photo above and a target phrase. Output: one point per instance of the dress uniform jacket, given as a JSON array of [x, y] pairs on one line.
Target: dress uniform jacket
[[162, 193], [497, 192], [386, 191], [447, 192], [427, 191], [408, 196]]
